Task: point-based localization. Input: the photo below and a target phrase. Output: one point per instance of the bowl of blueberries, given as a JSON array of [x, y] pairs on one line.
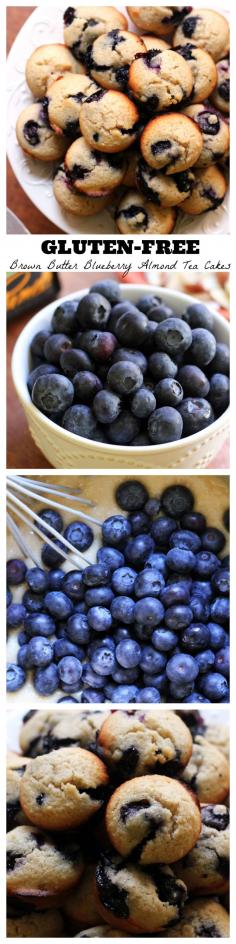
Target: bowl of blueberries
[[119, 377], [144, 616]]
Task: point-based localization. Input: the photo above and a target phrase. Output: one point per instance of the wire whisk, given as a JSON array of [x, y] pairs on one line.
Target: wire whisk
[[19, 489]]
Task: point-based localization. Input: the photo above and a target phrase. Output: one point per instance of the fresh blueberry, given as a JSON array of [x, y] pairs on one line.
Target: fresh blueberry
[[122, 610], [214, 686], [174, 594], [196, 697], [8, 597], [193, 521], [139, 522], [195, 637], [64, 317], [91, 678], [168, 392], [219, 393], [86, 386], [143, 403], [72, 585], [126, 354], [157, 561], [124, 429], [92, 696], [103, 661], [96, 575], [128, 653], [34, 602], [80, 421], [138, 549], [55, 579], [177, 500], [196, 414], [131, 495], [93, 311], [187, 540], [178, 616], [150, 695], [146, 302], [99, 619], [54, 346], [73, 360], [221, 360], [152, 661], [148, 583], [38, 342], [165, 425], [132, 328], [52, 394], [124, 693], [40, 652], [106, 406], [220, 610], [111, 557], [78, 629], [182, 669], [51, 557], [202, 588], [123, 676], [16, 614], [37, 579], [213, 540], [161, 529], [203, 347], [69, 672], [23, 658], [194, 381], [115, 531], [221, 581], [199, 316], [218, 636], [159, 681], [63, 647], [79, 534], [109, 289], [67, 698], [100, 345], [206, 563], [58, 604], [16, 677], [182, 561], [162, 366], [163, 639], [123, 580], [173, 336], [125, 378], [40, 371], [99, 596], [16, 571], [200, 609], [121, 633], [148, 612], [179, 691], [222, 661], [205, 661], [52, 518]]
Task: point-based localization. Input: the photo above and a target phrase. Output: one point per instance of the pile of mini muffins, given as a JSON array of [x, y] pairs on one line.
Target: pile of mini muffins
[[118, 825], [138, 121]]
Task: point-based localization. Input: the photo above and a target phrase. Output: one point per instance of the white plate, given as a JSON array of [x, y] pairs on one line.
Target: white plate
[[45, 25]]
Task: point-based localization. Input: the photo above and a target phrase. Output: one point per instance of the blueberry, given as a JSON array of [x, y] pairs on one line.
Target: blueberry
[[79, 534], [160, 312], [99, 596], [221, 581], [179, 691], [40, 371], [16, 571], [168, 392], [186, 539], [146, 302], [109, 289], [16, 677], [203, 589], [205, 661], [80, 421], [103, 661], [196, 414], [194, 381], [23, 657], [67, 698], [222, 661], [173, 336], [200, 609], [123, 676], [180, 560], [37, 579], [93, 311], [55, 578], [92, 696], [34, 602], [99, 619], [181, 669], [8, 597], [132, 328], [100, 345], [159, 681], [152, 661], [143, 403], [199, 316], [138, 549], [148, 612], [122, 610], [177, 500], [219, 393], [98, 643], [150, 695], [174, 594], [213, 540], [125, 378], [165, 425], [64, 317], [161, 529], [218, 636], [203, 347], [54, 346], [220, 610], [206, 563], [136, 357], [69, 672], [111, 557], [196, 697], [116, 530], [124, 429], [152, 507], [106, 406], [220, 362], [92, 679], [63, 647], [195, 637], [148, 583], [38, 342], [131, 495], [78, 629], [123, 580], [162, 366], [142, 439], [214, 686], [72, 585], [50, 555], [73, 360], [128, 653], [121, 308], [52, 394], [40, 651], [52, 518], [121, 633], [16, 614], [95, 575], [124, 693], [86, 386], [163, 639], [139, 522], [39, 624], [178, 616], [193, 521]]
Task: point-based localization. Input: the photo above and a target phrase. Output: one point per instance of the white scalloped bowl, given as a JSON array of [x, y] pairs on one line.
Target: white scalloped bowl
[[64, 450]]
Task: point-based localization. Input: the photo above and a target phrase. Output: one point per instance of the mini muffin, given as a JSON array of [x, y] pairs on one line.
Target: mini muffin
[[109, 121], [36, 137], [163, 190], [92, 172], [207, 29], [205, 869], [71, 201], [208, 191], [218, 734], [82, 25], [135, 214], [154, 42], [154, 819], [23, 922], [65, 99], [221, 94], [45, 64], [207, 772], [204, 917], [110, 57], [137, 901], [158, 20], [171, 141], [160, 80], [15, 815], [80, 905], [137, 743], [38, 867], [215, 133], [64, 788], [45, 731], [203, 69]]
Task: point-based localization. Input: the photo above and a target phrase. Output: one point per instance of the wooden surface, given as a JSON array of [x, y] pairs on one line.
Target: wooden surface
[[17, 201], [21, 450]]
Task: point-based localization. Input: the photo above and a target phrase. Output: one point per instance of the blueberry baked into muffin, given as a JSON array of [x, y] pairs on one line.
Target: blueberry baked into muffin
[[62, 789], [203, 917], [46, 731], [136, 743], [39, 866], [112, 89], [206, 868], [135, 900]]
